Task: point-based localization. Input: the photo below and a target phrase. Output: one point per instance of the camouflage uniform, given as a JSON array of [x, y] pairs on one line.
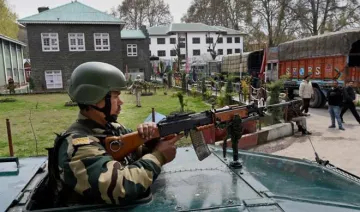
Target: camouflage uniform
[[11, 86], [86, 167], [165, 83], [137, 88], [80, 169]]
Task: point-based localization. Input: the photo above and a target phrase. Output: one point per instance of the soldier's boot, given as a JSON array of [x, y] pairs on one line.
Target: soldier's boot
[[304, 131]]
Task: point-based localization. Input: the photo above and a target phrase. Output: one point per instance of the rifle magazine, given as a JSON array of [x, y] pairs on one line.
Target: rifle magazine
[[199, 144]]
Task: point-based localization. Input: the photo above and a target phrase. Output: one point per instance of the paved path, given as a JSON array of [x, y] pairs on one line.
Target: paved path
[[341, 148]]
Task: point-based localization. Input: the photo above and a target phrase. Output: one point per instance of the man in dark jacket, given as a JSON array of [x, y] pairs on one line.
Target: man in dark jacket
[[293, 113], [335, 98], [349, 102]]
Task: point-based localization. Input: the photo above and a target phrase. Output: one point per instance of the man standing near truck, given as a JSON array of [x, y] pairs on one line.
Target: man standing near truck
[[335, 98], [305, 92], [349, 102]]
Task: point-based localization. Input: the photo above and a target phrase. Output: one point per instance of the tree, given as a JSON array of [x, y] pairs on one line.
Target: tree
[[317, 16], [212, 46], [8, 25], [227, 13], [274, 18], [143, 12]]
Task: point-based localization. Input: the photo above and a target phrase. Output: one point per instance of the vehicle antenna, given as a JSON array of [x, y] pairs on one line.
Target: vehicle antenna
[[317, 158], [32, 128]]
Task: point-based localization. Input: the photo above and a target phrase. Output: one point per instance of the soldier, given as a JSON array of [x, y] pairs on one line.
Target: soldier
[[86, 172], [136, 89], [165, 83], [11, 85]]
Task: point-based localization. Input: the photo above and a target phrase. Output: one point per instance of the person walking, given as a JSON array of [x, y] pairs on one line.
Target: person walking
[[349, 102], [305, 92], [334, 96]]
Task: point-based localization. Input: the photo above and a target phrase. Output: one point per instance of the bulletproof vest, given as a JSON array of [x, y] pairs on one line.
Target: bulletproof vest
[[61, 192]]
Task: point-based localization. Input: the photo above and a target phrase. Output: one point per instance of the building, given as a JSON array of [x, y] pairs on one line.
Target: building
[[194, 40], [135, 48], [11, 62], [22, 36], [63, 37]]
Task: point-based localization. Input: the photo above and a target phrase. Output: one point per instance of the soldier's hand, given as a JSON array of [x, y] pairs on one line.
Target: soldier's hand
[[168, 148], [147, 130]]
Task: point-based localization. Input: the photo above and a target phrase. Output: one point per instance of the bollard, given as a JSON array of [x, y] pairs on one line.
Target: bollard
[[153, 114], [9, 138]]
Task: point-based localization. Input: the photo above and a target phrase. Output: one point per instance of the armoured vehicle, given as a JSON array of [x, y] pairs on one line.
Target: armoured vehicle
[[264, 182]]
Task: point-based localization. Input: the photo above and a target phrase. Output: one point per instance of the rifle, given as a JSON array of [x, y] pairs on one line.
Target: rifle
[[190, 123]]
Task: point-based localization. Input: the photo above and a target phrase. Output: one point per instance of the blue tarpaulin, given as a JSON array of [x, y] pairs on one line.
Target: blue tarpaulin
[[158, 117]]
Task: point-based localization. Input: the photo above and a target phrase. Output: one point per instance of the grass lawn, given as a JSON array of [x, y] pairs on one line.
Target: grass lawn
[[49, 115]]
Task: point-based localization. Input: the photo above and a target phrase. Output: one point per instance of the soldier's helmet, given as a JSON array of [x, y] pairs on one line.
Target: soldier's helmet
[[91, 81]]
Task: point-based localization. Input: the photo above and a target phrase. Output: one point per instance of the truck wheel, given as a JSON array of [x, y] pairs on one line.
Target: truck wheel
[[316, 101], [323, 101]]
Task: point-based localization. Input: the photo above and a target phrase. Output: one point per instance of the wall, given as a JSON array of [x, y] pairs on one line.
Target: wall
[[65, 60], [13, 66], [141, 61], [203, 46]]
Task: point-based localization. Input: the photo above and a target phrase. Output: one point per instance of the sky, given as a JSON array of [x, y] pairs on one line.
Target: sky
[[25, 8]]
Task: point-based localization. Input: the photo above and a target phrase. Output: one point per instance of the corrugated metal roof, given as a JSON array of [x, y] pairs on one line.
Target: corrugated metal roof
[[190, 27], [74, 12], [230, 31], [3, 37], [132, 34], [158, 30]]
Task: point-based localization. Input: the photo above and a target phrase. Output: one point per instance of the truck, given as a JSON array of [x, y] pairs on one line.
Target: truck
[[325, 58]]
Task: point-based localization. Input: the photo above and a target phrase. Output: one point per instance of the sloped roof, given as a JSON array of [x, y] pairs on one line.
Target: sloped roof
[[229, 31], [190, 27], [132, 34], [158, 30], [71, 13], [330, 44], [3, 37]]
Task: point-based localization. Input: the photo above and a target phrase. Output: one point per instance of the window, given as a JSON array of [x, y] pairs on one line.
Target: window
[[195, 40], [131, 50], [237, 39], [53, 79], [196, 52], [102, 42], [220, 52], [76, 42], [161, 41], [173, 52], [237, 50], [209, 40], [50, 42], [161, 53], [229, 40], [172, 40], [149, 52], [229, 51], [220, 40]]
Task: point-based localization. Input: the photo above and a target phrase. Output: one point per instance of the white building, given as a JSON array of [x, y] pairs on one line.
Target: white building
[[193, 39]]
